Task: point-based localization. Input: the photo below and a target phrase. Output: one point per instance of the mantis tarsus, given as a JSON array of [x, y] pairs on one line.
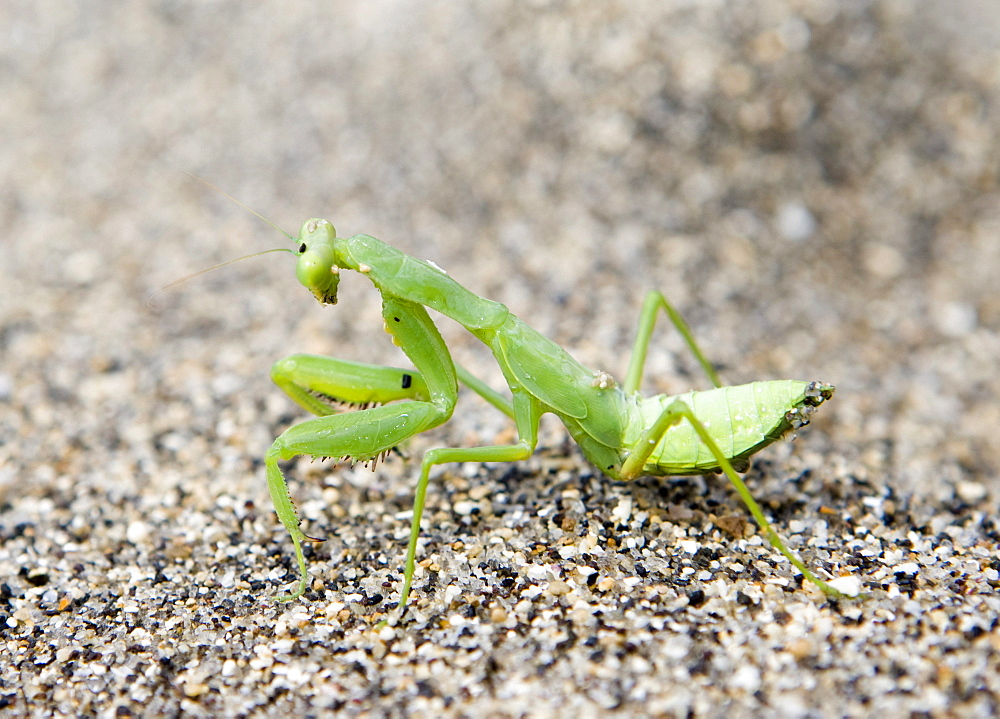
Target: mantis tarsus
[[621, 432]]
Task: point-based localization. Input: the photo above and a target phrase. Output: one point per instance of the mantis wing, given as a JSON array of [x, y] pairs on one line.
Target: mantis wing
[[550, 374], [543, 368]]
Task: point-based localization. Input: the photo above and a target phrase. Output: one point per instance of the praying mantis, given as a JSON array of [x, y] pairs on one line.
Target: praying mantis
[[624, 434]]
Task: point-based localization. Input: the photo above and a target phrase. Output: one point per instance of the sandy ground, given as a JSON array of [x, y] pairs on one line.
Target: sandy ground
[[813, 183]]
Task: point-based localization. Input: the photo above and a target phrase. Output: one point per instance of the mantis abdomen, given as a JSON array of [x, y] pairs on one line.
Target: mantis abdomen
[[742, 420]]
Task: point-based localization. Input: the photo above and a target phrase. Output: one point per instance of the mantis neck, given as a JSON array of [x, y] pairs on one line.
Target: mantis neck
[[407, 278]]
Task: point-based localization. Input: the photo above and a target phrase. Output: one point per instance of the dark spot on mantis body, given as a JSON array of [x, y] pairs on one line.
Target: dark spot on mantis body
[[396, 318], [407, 381]]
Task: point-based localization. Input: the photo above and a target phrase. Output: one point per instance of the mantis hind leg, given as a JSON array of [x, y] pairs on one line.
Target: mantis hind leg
[[679, 411], [647, 322]]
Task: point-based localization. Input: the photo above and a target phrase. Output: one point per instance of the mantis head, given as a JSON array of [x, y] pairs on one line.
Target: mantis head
[[317, 268]]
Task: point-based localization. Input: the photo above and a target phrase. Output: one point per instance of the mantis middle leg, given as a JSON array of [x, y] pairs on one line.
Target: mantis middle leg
[[526, 411]]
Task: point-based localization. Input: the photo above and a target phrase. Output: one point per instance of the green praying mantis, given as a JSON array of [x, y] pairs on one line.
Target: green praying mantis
[[623, 433]]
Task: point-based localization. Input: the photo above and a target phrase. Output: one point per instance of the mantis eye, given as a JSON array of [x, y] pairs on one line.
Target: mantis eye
[[302, 248]]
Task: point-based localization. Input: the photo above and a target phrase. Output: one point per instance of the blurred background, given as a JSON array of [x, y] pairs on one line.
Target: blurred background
[[813, 183]]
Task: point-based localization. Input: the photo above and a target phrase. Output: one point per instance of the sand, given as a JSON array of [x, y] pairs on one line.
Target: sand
[[813, 184]]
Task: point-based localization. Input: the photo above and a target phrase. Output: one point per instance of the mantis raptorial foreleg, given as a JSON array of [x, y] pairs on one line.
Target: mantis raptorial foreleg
[[367, 434], [324, 385], [319, 383]]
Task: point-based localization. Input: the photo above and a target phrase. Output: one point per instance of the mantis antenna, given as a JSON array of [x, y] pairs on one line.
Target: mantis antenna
[[182, 280], [199, 273]]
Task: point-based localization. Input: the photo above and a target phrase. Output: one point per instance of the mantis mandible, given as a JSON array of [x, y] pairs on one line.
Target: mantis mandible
[[623, 433]]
